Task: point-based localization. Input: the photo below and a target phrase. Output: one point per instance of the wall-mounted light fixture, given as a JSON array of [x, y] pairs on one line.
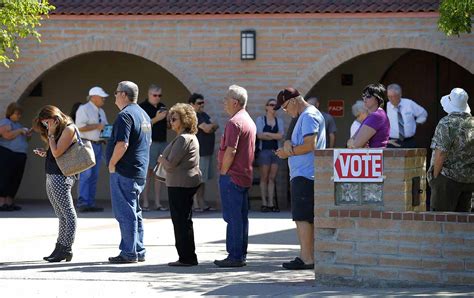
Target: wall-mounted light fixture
[[248, 47]]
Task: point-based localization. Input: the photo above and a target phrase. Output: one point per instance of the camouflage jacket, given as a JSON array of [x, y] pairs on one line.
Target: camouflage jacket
[[454, 135]]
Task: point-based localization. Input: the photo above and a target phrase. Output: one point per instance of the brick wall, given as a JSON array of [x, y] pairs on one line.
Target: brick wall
[[386, 244]]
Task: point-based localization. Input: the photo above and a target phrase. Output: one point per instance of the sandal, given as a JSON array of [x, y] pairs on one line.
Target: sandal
[[297, 264]]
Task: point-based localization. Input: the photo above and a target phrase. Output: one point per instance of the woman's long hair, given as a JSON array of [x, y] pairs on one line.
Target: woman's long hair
[[50, 112]]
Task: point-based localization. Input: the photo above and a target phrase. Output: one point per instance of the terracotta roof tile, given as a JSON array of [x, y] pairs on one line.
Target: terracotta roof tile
[[201, 7]]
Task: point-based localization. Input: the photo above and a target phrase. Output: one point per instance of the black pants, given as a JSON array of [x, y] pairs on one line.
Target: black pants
[[181, 203], [449, 195], [12, 166]]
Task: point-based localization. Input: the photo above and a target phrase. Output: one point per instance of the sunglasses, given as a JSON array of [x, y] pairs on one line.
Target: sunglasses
[[366, 96], [156, 95], [200, 103], [173, 119], [271, 105]]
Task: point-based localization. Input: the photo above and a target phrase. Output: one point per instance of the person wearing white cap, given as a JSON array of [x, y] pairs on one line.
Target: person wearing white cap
[[451, 173], [91, 120]]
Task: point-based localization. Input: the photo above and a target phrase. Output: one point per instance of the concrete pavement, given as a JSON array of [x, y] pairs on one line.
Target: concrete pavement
[[30, 234]]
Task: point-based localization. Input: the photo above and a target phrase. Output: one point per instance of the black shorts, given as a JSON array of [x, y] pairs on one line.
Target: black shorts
[[302, 199]]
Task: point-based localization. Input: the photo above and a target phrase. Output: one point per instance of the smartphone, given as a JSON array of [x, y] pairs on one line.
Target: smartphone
[[162, 109]]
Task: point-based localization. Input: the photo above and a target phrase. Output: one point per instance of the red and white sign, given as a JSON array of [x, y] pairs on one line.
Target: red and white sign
[[336, 107], [358, 165]]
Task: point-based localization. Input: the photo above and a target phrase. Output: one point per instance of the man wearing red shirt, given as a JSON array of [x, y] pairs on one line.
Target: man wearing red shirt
[[235, 158]]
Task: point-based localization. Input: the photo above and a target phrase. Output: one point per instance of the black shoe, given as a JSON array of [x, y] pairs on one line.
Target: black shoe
[[275, 209], [121, 260], [6, 207], [265, 209], [182, 264], [297, 264], [96, 209], [229, 263], [62, 253], [55, 251]]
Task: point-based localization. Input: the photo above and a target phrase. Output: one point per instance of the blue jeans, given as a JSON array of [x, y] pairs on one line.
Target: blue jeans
[[235, 211], [88, 180], [125, 193]]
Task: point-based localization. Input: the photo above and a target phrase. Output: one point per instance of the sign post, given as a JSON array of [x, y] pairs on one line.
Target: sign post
[[358, 165]]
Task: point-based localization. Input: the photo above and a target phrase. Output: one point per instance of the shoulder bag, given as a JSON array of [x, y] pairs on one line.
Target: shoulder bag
[[77, 158]]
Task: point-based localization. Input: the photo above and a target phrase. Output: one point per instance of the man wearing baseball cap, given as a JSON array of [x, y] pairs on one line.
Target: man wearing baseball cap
[[91, 119], [308, 134], [451, 173]]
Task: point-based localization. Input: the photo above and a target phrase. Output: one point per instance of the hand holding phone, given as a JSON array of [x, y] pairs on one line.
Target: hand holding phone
[[40, 152]]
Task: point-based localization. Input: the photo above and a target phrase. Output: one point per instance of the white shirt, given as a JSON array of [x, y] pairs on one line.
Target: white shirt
[[412, 114], [88, 114], [354, 127]]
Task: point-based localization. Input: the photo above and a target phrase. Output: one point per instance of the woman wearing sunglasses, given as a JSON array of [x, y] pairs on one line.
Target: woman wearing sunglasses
[[183, 177], [57, 131], [269, 132], [374, 130]]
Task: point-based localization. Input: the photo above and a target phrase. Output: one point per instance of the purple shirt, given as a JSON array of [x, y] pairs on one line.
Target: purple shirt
[[378, 120]]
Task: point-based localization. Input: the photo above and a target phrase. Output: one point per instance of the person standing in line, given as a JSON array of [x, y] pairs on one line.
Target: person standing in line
[[128, 151], [180, 160], [157, 112], [90, 118], [330, 123], [404, 115], [360, 112], [374, 131], [206, 136], [13, 151], [308, 134], [269, 132], [58, 132], [451, 173], [235, 158]]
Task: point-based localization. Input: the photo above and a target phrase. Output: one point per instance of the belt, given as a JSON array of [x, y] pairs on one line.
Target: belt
[[405, 139], [94, 142]]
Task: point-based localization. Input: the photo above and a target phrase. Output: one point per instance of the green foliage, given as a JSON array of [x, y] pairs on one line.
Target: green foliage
[[455, 16], [19, 19]]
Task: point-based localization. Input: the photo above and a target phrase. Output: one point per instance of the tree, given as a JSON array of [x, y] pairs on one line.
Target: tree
[[455, 16], [19, 19]]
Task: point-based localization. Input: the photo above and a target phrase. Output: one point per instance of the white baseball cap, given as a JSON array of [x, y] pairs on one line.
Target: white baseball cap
[[456, 101], [98, 91]]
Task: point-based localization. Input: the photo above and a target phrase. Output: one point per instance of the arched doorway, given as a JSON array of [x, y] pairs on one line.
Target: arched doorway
[[69, 81], [425, 77]]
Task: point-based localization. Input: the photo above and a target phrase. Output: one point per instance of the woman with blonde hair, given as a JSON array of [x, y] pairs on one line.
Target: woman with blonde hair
[[13, 150], [58, 132], [180, 159]]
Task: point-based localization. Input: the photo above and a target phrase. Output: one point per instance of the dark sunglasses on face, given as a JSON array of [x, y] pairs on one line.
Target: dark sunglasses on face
[[173, 119], [156, 95], [271, 105], [366, 96]]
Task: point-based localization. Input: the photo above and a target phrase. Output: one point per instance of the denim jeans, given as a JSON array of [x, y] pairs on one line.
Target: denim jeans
[[88, 180], [235, 211], [125, 193]]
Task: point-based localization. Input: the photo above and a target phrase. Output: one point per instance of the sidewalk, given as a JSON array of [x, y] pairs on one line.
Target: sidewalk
[[28, 235]]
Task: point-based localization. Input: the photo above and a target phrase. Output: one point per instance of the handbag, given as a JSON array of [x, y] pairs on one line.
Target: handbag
[[77, 158], [160, 173]]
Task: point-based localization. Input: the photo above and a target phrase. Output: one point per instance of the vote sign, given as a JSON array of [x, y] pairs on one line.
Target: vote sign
[[358, 165]]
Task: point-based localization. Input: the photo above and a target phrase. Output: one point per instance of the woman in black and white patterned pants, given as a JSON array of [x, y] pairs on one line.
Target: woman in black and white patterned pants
[[58, 133], [58, 188]]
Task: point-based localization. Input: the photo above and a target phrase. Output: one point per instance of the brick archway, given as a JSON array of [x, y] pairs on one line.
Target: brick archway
[[35, 70], [318, 70]]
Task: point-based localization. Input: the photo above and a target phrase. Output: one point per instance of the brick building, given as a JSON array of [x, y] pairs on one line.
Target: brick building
[[320, 47]]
